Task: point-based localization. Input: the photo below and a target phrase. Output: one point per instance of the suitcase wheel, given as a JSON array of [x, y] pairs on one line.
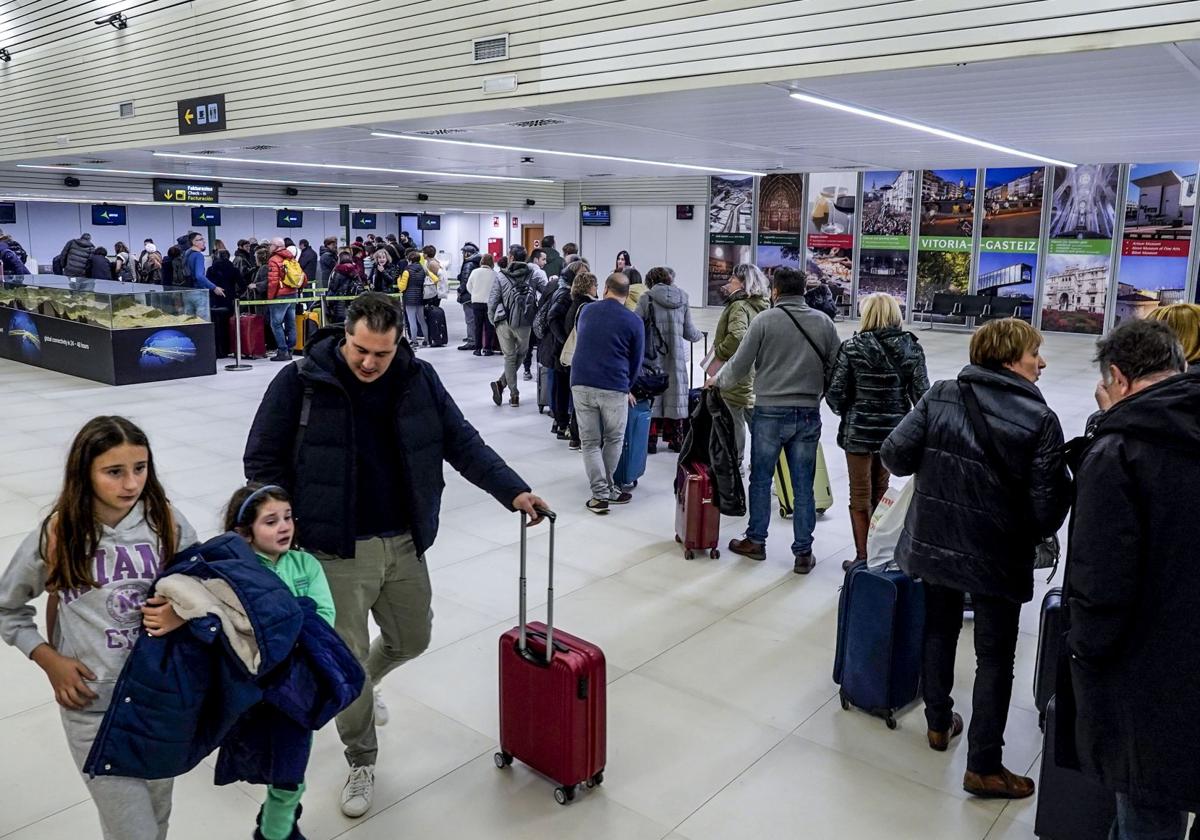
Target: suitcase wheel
[[845, 702], [502, 759], [783, 512], [688, 554], [564, 795], [821, 511], [596, 780], [715, 554], [677, 539], [890, 720]]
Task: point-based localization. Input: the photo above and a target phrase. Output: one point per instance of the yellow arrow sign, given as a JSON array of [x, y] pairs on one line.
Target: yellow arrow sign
[[187, 116], [167, 195]]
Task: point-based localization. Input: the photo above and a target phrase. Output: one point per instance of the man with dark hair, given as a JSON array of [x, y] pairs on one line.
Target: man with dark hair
[[512, 306], [791, 349], [1133, 585], [190, 271], [308, 261], [570, 249], [470, 261], [357, 431], [554, 260]]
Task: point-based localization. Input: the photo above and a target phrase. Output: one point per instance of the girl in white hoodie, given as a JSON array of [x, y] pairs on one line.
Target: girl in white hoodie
[[96, 554]]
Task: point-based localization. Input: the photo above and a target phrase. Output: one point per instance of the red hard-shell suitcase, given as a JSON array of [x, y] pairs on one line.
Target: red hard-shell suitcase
[[697, 520], [552, 706], [254, 335]]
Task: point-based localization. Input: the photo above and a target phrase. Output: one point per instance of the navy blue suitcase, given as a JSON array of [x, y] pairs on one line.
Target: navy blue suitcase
[[633, 453], [881, 627]]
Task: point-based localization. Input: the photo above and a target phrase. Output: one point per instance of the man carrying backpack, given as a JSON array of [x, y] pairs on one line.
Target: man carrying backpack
[[189, 272], [512, 306], [285, 278]]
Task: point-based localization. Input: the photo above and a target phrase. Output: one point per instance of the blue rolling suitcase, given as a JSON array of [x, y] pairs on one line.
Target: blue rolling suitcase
[[881, 627], [633, 454]]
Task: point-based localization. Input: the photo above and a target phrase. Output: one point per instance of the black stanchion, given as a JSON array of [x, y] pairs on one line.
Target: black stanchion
[[237, 339]]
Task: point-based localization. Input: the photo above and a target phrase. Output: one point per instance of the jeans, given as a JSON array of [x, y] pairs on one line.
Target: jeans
[[602, 415], [1146, 822], [796, 431], [389, 581], [996, 624], [416, 321], [283, 325], [868, 480], [485, 333], [742, 418], [513, 344], [469, 317]]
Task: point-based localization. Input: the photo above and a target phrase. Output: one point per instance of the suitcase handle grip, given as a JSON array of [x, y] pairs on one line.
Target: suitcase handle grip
[[522, 610]]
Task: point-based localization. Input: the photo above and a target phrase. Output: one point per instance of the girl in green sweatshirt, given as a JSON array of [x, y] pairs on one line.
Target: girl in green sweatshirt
[[262, 514]]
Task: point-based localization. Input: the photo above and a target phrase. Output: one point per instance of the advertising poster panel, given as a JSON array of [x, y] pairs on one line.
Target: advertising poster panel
[[946, 234], [1008, 244], [1083, 221], [730, 227], [832, 203], [780, 222], [883, 264], [1159, 206]]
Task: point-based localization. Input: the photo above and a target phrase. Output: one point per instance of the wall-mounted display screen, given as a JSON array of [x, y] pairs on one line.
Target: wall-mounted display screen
[[595, 215], [108, 214], [427, 222], [8, 213], [364, 221], [206, 216], [289, 218]]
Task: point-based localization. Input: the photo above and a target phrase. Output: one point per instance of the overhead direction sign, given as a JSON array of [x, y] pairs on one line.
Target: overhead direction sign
[[185, 191], [201, 114], [289, 218], [108, 214], [206, 216]]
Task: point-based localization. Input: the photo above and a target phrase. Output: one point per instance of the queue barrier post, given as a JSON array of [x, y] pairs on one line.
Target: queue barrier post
[[237, 341]]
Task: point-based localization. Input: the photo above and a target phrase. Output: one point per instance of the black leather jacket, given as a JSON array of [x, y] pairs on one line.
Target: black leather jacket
[[877, 378], [967, 528]]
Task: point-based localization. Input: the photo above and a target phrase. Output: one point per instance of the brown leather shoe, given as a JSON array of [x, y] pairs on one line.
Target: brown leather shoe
[[940, 741], [1002, 785], [749, 548], [804, 563]]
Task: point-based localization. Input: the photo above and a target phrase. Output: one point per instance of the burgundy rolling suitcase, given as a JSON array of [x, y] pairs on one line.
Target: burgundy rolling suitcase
[[552, 696], [697, 520], [254, 335]]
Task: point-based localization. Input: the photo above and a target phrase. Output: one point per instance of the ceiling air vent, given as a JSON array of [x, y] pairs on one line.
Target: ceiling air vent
[[536, 123], [207, 152], [97, 160], [493, 48], [262, 147], [442, 132]]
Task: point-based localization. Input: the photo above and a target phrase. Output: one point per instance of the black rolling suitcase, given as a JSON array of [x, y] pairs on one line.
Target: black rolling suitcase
[[1071, 806], [435, 326], [1052, 626], [545, 387]]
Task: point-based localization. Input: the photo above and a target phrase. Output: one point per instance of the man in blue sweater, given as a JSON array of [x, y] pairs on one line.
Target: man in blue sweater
[[609, 341], [195, 275]]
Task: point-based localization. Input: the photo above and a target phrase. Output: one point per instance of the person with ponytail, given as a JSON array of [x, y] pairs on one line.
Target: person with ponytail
[[109, 534]]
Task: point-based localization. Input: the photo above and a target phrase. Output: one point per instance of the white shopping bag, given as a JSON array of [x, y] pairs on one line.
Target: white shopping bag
[[886, 524]]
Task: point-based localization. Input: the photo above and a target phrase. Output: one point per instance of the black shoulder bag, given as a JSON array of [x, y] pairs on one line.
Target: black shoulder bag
[[1046, 552]]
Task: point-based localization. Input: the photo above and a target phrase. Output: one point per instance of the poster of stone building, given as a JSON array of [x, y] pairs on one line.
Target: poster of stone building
[[780, 222]]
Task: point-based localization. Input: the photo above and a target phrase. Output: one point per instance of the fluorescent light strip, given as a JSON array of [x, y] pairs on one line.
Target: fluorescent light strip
[[586, 155], [142, 203], [346, 166], [194, 175], [928, 129]]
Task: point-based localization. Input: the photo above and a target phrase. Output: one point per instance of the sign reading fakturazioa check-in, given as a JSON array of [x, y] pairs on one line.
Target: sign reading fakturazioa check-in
[[186, 191]]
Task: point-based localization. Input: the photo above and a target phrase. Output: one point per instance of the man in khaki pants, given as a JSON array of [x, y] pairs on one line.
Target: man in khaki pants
[[358, 431]]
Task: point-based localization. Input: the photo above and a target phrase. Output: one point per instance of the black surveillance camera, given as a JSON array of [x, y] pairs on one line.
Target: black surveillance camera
[[529, 202], [422, 197], [291, 191], [71, 181]]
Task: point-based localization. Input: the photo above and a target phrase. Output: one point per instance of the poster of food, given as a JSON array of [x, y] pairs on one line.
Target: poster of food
[[883, 263], [1009, 239], [946, 235], [1160, 204], [780, 222], [1079, 254], [832, 203], [730, 228]]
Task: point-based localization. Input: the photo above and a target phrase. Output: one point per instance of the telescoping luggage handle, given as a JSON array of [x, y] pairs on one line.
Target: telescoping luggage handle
[[521, 645]]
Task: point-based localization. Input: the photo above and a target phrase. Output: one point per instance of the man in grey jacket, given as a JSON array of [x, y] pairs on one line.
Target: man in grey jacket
[[791, 349]]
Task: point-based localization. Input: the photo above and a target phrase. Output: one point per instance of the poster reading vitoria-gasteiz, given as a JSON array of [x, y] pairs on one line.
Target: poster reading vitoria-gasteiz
[[947, 229]]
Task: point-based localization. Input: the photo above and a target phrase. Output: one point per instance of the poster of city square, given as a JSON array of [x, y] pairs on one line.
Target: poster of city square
[[1008, 243], [730, 227], [946, 235], [886, 234], [1083, 218], [780, 221], [832, 203]]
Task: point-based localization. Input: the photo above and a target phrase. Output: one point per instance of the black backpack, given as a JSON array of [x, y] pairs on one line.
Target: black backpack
[[181, 273], [520, 302], [541, 323]]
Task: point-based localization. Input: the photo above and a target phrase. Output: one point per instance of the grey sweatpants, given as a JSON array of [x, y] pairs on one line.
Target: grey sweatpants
[[130, 809], [388, 580]]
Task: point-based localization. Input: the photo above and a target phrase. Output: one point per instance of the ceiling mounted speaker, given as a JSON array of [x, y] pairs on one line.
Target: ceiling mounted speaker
[[291, 191], [529, 202], [422, 197], [71, 181]]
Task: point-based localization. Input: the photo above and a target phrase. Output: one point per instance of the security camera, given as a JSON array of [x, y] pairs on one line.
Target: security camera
[[529, 202], [71, 181], [422, 197], [291, 191]]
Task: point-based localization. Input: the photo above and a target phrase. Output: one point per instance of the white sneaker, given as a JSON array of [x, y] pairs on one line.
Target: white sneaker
[[356, 795], [381, 709]]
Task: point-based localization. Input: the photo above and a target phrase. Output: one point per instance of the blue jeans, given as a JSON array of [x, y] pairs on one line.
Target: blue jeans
[[283, 325], [1146, 822], [797, 431]]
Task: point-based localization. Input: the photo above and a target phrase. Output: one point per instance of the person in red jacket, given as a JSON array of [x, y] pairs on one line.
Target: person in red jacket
[[283, 315]]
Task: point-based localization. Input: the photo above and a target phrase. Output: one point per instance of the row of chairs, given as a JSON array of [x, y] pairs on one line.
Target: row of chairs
[[980, 307]]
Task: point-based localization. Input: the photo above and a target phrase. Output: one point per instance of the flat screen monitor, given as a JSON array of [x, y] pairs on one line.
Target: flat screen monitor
[[108, 214], [289, 218], [595, 215], [364, 221], [206, 216], [8, 212], [428, 222]]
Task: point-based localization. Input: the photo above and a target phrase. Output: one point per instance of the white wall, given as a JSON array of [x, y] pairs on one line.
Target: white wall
[[652, 236]]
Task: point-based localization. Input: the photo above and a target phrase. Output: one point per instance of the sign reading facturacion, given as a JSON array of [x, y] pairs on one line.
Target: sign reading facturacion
[[185, 192]]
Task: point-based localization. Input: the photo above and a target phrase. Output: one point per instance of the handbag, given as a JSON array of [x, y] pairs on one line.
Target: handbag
[[650, 383], [887, 522], [656, 345], [1046, 552], [568, 349]]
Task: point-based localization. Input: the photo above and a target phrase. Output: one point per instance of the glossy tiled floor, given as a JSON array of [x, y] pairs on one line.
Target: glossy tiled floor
[[723, 719]]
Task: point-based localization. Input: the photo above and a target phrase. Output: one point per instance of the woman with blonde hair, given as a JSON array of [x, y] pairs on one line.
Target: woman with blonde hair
[[1184, 321], [878, 377]]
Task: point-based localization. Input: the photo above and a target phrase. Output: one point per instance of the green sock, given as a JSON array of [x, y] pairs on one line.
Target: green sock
[[279, 812]]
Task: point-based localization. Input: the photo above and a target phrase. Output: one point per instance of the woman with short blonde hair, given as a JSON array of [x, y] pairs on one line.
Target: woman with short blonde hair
[[1184, 321], [878, 377]]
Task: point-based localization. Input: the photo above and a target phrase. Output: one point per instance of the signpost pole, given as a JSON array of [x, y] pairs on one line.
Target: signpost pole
[[344, 214], [237, 341]]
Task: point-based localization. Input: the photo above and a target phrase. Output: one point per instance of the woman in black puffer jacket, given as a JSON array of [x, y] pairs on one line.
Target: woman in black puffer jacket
[[878, 377], [973, 526]]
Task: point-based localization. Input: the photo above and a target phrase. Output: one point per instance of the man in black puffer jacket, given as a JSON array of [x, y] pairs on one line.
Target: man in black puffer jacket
[[471, 258], [357, 432], [76, 256], [973, 526]]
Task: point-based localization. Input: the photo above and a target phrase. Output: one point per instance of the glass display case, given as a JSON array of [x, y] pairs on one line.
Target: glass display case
[[105, 330]]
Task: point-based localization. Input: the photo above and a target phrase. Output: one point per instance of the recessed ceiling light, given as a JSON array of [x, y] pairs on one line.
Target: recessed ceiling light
[[928, 129], [585, 155], [66, 167], [350, 167]]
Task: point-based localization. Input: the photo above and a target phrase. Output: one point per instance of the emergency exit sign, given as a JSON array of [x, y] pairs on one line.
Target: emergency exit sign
[[201, 114]]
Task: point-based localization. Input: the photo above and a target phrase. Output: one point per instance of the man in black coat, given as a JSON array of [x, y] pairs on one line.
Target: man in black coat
[[1133, 584], [308, 261], [357, 432], [470, 262]]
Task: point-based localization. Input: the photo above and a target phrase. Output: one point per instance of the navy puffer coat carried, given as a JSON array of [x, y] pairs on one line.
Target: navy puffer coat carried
[[968, 528]]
